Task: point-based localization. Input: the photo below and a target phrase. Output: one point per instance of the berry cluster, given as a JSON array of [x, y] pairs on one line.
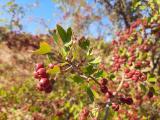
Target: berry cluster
[[117, 62], [126, 100], [40, 73], [103, 87], [84, 114], [135, 75]]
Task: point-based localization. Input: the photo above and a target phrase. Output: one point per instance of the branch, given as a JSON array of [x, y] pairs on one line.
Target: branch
[[76, 69]]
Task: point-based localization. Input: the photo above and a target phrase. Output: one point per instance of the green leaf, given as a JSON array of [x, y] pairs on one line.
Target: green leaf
[[139, 40], [89, 70], [96, 60], [44, 48], [54, 70], [90, 93], [151, 78], [62, 34], [69, 34], [143, 87], [78, 79], [55, 36], [99, 74], [84, 43]]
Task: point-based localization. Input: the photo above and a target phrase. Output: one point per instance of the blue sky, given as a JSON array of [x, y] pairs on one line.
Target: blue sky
[[45, 10]]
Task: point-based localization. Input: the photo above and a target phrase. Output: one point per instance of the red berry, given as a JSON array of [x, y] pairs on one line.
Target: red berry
[[129, 101], [103, 88], [103, 81], [39, 87], [44, 82], [108, 94], [41, 71], [126, 85], [129, 75], [48, 89], [127, 70], [115, 106], [150, 94], [143, 77], [138, 64], [138, 73], [134, 78], [36, 76], [85, 111], [38, 66]]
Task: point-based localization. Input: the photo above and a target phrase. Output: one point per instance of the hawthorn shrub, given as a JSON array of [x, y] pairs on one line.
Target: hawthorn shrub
[[123, 85]]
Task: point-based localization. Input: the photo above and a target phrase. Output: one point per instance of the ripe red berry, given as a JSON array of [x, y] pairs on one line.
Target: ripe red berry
[[127, 70], [44, 82], [38, 66], [143, 77], [48, 89], [126, 85], [138, 64], [150, 94], [129, 75], [39, 87], [41, 71], [108, 95], [103, 81], [129, 101], [103, 88], [134, 78], [115, 106], [36, 76]]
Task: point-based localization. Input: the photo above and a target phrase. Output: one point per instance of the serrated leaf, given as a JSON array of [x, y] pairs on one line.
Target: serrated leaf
[[54, 70], [90, 93], [78, 79], [44, 48]]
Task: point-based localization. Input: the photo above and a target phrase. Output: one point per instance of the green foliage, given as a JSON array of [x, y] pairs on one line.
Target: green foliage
[[44, 48]]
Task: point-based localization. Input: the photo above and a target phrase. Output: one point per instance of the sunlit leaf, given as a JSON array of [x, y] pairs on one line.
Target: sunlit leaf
[[54, 70], [44, 48]]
